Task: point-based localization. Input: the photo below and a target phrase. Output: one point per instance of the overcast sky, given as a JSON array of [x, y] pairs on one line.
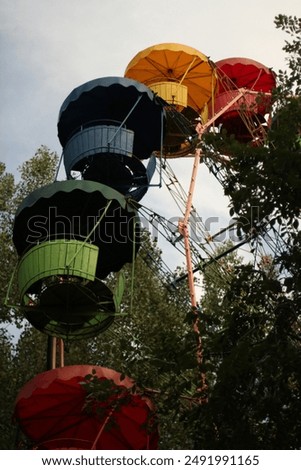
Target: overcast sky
[[49, 47]]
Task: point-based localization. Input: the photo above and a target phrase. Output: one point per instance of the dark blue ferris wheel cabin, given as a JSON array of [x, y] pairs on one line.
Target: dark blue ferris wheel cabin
[[106, 127]]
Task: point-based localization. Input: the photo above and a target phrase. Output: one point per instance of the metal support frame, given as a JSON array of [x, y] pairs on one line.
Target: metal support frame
[[55, 353], [183, 227]]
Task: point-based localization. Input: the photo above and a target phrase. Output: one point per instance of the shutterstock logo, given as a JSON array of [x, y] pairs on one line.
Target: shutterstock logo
[[117, 226], [120, 227]]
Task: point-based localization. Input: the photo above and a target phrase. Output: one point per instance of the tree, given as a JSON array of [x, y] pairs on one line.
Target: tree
[[7, 389], [255, 397], [38, 171], [290, 79], [218, 277], [7, 190], [254, 401], [33, 173]]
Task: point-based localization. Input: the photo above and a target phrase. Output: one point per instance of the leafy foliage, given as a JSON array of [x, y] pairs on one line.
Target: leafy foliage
[[254, 400], [291, 78], [37, 171]]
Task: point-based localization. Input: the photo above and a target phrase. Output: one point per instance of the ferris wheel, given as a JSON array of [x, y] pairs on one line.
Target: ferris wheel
[[117, 133], [234, 95]]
